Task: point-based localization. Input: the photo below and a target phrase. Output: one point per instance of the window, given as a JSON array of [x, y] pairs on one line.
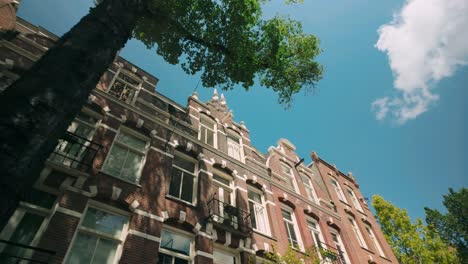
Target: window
[[316, 233], [222, 190], [182, 184], [174, 248], [125, 159], [338, 243], [26, 226], [258, 215], [234, 149], [357, 232], [288, 175], [207, 132], [223, 257], [338, 190], [310, 192], [99, 238], [124, 87], [71, 152], [374, 239], [354, 199], [291, 228]]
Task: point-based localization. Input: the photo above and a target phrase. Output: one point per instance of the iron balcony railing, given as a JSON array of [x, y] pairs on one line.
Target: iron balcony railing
[[329, 254], [75, 152], [229, 217], [13, 253]]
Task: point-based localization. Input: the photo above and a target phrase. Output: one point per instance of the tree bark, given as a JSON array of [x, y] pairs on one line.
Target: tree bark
[[36, 110]]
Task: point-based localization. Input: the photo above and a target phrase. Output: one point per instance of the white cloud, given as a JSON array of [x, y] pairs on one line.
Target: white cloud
[[426, 42]]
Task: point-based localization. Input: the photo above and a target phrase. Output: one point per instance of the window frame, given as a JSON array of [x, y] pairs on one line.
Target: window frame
[[100, 235], [338, 189], [181, 233], [227, 251], [194, 175], [309, 186], [290, 175], [266, 222], [339, 244], [229, 137], [357, 232], [374, 239], [354, 199], [214, 130], [136, 88], [296, 228], [144, 153]]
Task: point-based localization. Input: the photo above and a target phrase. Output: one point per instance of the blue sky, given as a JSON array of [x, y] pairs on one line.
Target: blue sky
[[410, 163]]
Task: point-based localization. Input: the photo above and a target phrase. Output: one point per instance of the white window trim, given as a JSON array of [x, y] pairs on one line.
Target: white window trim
[[290, 175], [240, 142], [355, 200], [375, 240], [144, 153], [194, 174], [214, 130], [137, 88], [228, 251], [358, 233], [340, 242], [265, 214], [231, 185], [109, 209], [338, 190], [18, 215], [183, 233], [310, 185], [296, 227]]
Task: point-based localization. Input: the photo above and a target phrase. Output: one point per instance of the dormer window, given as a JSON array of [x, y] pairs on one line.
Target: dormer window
[[207, 131], [234, 147]]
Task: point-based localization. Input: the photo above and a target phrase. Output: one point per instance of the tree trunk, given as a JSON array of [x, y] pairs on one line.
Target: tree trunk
[[36, 110]]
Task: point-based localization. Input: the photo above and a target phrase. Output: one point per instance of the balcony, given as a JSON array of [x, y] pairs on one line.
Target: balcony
[[75, 152], [329, 254], [229, 218], [11, 252]]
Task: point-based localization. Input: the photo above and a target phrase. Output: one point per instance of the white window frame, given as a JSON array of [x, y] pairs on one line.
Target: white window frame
[[375, 240], [338, 189], [354, 199], [264, 217], [290, 175], [317, 230], [17, 216], [119, 239], [194, 175], [227, 251], [340, 245], [214, 130], [144, 153], [182, 233], [357, 232], [309, 186], [229, 137], [220, 192], [136, 88], [293, 221]]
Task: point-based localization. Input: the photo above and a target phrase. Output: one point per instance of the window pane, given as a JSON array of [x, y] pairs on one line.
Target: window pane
[[176, 180], [255, 197], [104, 222], [286, 215], [164, 259], [252, 215], [187, 188], [105, 251], [40, 198], [292, 233], [86, 118], [82, 250], [184, 164], [223, 258], [132, 141], [207, 123], [180, 261], [176, 243], [116, 160], [210, 137], [221, 180], [132, 166]]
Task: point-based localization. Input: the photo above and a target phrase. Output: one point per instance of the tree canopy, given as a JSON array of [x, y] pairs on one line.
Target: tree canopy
[[452, 226], [412, 242], [230, 43]]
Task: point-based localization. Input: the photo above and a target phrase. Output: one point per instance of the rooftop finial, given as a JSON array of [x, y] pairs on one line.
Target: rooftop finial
[[215, 95], [195, 95], [223, 100]]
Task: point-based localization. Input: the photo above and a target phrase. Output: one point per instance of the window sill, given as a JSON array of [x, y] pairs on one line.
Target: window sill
[[387, 259], [264, 235], [361, 212], [120, 179], [345, 202], [368, 250], [175, 199]]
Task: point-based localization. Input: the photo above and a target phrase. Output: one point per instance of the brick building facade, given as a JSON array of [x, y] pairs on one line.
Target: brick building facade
[[139, 178]]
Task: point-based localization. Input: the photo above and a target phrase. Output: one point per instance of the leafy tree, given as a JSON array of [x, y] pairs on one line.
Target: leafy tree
[[412, 242], [452, 226], [292, 257], [227, 41]]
